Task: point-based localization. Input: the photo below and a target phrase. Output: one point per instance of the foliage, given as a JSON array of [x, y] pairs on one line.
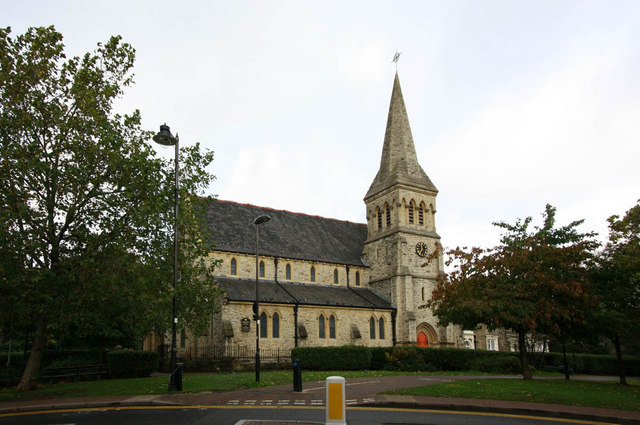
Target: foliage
[[533, 282], [87, 206], [587, 364], [131, 363], [617, 282], [347, 357], [405, 358]]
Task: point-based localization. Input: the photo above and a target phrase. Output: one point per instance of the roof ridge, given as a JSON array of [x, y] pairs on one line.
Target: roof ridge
[[281, 210]]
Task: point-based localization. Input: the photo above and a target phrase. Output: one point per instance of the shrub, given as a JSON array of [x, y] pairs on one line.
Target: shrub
[[9, 376], [379, 357], [405, 358], [132, 364], [496, 364], [346, 357]]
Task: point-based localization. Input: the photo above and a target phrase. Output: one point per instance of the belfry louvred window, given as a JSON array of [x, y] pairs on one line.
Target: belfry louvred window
[[387, 212]]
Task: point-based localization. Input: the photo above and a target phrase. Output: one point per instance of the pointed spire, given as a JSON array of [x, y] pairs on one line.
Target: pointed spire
[[399, 162]]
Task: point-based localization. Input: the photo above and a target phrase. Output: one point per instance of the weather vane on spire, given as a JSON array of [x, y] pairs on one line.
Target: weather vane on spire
[[396, 57]]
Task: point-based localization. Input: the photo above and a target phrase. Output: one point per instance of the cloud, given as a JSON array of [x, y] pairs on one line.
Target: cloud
[[565, 138]]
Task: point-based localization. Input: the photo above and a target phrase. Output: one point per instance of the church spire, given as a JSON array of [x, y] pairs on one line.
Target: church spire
[[399, 162]]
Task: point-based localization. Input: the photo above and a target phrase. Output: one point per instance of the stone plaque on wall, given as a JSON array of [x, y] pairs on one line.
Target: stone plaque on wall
[[245, 325]]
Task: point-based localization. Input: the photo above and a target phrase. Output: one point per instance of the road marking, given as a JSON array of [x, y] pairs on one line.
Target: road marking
[[280, 402], [446, 412], [233, 402], [300, 402], [363, 383], [368, 400], [350, 402], [355, 383], [316, 402]]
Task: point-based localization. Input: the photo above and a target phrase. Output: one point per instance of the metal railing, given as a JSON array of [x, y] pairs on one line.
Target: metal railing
[[237, 352]]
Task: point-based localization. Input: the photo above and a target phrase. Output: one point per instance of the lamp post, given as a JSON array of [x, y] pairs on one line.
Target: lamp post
[[165, 138], [256, 305]]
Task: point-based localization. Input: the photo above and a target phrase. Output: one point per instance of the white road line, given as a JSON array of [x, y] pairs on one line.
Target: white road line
[[350, 402], [316, 402], [283, 401], [363, 383], [300, 402]]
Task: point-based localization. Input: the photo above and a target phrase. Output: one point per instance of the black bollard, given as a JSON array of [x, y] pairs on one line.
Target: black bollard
[[178, 377], [297, 376]]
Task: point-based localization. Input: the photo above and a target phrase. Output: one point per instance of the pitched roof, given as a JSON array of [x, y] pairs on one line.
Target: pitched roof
[[305, 294], [286, 235], [399, 162]]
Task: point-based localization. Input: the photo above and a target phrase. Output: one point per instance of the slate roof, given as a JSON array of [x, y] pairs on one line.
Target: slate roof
[[287, 235], [304, 294]]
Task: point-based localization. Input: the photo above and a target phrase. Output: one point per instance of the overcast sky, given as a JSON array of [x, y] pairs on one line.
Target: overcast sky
[[512, 104]]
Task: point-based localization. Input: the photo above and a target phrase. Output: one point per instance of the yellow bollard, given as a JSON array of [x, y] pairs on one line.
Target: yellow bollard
[[336, 412]]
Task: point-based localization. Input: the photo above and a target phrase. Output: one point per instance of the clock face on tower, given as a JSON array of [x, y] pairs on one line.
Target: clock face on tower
[[421, 249]]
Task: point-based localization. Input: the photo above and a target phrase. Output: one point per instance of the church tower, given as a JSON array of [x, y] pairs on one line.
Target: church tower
[[401, 207]]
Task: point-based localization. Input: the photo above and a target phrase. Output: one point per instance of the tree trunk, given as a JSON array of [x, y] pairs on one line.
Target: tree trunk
[[29, 378], [524, 356], [623, 377]]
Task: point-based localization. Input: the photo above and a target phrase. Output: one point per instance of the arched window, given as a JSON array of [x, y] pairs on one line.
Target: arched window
[[287, 272], [234, 267], [381, 328], [321, 333], [357, 278], [335, 276], [411, 206], [379, 215], [421, 215], [332, 327], [275, 325], [263, 325], [313, 274], [387, 212], [372, 328], [261, 268]]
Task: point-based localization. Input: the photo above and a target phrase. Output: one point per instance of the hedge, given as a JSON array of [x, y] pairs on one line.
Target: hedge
[[132, 364], [409, 358], [346, 357]]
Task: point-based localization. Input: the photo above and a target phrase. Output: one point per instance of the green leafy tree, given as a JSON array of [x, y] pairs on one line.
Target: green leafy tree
[[533, 282], [86, 206], [617, 283]]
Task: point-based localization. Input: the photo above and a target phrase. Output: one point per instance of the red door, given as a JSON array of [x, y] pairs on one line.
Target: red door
[[423, 341]]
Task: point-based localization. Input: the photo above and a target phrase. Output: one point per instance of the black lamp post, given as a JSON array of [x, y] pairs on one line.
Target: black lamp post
[[165, 138], [256, 306]]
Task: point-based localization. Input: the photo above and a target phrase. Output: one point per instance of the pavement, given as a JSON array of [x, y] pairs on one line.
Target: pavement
[[360, 392]]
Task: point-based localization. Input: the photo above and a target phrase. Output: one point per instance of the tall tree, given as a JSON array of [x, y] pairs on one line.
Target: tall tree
[[617, 283], [533, 282], [86, 205]]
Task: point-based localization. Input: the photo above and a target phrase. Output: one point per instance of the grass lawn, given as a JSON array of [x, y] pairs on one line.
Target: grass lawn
[[557, 391], [191, 383]]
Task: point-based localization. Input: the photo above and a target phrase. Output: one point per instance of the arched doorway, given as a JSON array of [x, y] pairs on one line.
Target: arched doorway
[[426, 336], [423, 341]]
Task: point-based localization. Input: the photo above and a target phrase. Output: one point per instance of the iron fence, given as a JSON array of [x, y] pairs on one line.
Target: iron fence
[[237, 352]]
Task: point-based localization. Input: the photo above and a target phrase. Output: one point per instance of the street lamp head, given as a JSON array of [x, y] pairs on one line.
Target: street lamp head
[[164, 137], [261, 219]]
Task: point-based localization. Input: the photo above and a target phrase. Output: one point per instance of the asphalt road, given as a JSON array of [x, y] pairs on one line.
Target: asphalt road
[[232, 416]]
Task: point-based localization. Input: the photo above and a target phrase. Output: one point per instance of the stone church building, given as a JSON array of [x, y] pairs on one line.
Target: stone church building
[[326, 282]]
